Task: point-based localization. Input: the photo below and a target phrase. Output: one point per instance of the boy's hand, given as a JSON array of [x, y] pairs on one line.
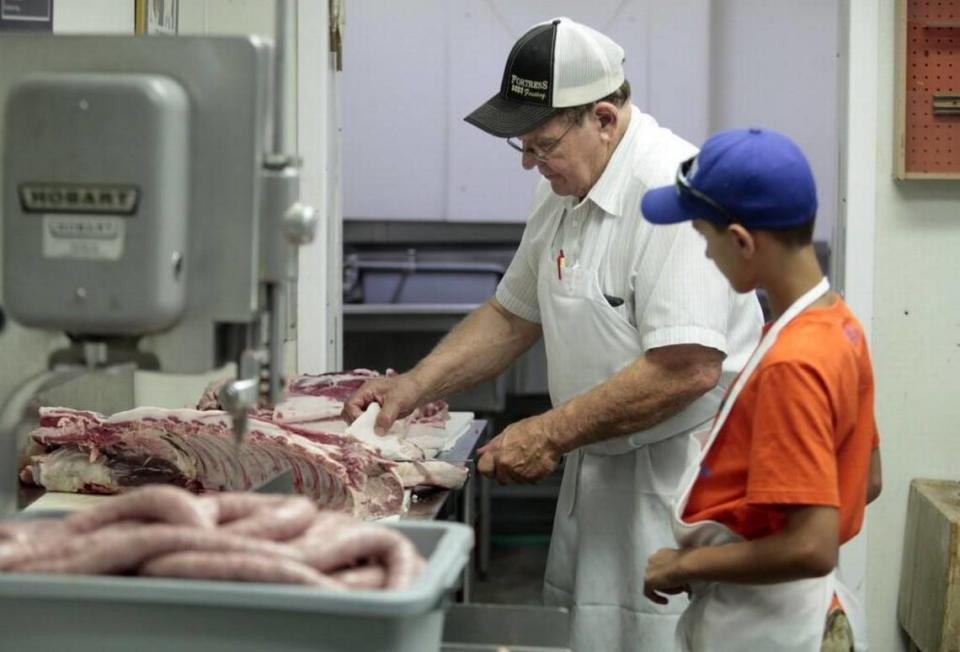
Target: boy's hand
[[663, 575]]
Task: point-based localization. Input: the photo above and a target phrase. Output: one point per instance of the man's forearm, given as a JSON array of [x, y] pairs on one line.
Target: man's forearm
[[654, 388], [477, 349]]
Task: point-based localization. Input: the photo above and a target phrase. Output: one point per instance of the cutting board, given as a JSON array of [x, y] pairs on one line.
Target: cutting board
[[55, 500]]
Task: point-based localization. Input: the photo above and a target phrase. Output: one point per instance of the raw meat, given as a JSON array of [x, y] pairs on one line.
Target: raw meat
[[432, 473], [320, 397], [79, 451], [165, 531], [313, 403], [194, 449]]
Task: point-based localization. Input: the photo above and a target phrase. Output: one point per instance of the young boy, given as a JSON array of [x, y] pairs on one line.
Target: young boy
[[792, 459]]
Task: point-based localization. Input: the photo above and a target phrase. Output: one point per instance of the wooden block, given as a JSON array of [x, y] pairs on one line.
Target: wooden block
[[929, 602]]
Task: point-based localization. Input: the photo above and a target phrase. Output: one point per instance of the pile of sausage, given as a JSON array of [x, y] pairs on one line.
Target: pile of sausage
[[168, 532]]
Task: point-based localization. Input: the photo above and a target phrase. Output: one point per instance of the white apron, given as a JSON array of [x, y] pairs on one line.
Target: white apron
[[614, 508], [786, 617]]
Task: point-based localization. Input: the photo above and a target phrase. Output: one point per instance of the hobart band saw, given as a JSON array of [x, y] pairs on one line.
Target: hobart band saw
[[149, 210]]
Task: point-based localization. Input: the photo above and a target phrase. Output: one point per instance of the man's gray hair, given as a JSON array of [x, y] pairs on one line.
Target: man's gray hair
[[618, 98]]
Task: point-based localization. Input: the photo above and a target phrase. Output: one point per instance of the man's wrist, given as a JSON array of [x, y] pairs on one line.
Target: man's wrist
[[558, 426], [421, 382]]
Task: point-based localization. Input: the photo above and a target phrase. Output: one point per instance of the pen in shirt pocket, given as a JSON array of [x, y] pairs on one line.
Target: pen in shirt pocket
[[613, 301]]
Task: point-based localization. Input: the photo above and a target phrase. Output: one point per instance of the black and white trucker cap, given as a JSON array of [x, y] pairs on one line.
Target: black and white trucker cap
[[556, 64]]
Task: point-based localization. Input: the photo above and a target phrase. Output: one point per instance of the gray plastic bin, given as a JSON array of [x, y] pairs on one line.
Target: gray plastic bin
[[40, 613]]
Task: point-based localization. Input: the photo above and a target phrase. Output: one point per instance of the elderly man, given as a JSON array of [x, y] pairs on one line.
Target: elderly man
[[642, 333]]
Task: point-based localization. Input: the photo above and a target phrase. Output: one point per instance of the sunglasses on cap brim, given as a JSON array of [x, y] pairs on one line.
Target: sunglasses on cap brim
[[684, 186]]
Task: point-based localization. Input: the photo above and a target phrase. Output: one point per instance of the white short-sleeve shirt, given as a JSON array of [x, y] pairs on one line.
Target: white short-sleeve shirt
[[672, 293]]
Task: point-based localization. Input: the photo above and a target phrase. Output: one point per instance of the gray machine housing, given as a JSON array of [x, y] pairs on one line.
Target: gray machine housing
[[103, 252], [183, 124]]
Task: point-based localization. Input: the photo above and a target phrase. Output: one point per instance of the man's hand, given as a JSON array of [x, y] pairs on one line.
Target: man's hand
[[664, 576], [523, 453], [398, 396]]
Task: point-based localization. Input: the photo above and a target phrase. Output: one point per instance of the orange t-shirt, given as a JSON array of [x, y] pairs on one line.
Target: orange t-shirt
[[801, 432]]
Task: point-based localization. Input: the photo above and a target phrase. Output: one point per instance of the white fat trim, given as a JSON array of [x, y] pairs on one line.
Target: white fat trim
[[302, 407]]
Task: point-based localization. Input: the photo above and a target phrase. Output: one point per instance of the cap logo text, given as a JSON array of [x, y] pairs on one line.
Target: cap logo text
[[531, 88]]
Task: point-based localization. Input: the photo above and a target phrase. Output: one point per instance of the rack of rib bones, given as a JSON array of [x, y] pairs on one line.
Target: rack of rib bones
[[86, 452]]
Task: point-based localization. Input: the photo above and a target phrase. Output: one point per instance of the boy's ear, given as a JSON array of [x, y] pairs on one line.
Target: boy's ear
[[744, 241]]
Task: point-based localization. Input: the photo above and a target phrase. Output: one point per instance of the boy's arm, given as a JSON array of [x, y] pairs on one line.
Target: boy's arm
[[874, 476], [806, 547]]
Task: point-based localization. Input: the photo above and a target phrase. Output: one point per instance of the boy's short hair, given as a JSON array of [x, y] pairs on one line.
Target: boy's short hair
[[757, 178], [798, 236], [792, 238]]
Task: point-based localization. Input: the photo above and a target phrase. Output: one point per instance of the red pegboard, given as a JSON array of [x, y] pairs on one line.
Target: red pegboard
[[931, 140]]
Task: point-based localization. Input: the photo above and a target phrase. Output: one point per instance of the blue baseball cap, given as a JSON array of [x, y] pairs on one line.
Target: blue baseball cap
[[758, 178]]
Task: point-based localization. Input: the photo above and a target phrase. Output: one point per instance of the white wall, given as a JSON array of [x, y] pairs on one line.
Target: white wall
[[916, 341], [415, 69], [93, 16], [226, 17], [774, 64]]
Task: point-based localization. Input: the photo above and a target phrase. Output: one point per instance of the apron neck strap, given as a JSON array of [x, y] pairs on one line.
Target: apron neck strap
[[798, 306]]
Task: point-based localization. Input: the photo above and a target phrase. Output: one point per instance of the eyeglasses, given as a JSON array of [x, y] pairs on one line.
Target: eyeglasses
[[684, 186], [540, 155]]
